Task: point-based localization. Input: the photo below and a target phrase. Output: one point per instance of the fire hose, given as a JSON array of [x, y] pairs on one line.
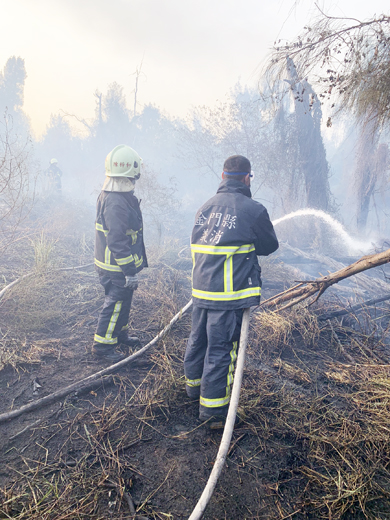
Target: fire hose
[[229, 425], [89, 381], [86, 383]]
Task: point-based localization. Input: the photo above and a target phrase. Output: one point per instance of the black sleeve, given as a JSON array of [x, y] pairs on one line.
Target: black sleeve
[[118, 216], [266, 241]]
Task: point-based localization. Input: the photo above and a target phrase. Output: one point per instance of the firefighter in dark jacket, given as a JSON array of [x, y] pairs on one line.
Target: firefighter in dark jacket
[[119, 251], [231, 230], [53, 177]]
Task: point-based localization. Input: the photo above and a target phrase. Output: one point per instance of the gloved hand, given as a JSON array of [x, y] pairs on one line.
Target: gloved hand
[[132, 282]]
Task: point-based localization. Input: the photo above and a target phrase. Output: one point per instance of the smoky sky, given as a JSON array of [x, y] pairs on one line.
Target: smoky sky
[[192, 51]]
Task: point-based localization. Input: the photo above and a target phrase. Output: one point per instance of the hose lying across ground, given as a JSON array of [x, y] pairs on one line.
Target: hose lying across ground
[[85, 383], [229, 425], [293, 296]]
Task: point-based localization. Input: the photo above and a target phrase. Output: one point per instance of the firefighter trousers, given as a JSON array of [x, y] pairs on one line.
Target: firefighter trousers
[[114, 315], [210, 358]]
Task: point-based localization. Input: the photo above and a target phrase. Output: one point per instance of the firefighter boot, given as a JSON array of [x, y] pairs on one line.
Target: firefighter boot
[[217, 422], [107, 353], [129, 341]]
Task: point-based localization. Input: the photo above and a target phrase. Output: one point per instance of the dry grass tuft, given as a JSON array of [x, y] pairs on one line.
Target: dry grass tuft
[[335, 414], [94, 472], [276, 329], [43, 248], [46, 300], [273, 327]]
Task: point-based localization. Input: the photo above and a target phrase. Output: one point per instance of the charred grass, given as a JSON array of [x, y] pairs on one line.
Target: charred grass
[[314, 441]]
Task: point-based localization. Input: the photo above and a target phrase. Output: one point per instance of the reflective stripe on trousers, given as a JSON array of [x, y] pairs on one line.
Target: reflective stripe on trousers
[[211, 356], [111, 325], [114, 315]]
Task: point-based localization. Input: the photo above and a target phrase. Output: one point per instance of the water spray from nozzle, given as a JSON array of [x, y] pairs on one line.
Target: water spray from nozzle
[[353, 245]]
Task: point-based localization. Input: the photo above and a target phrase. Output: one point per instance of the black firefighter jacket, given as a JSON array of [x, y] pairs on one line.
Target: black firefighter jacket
[[119, 244], [230, 231]]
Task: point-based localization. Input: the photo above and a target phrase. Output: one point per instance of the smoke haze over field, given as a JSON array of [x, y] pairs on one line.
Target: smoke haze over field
[[68, 73], [192, 52]]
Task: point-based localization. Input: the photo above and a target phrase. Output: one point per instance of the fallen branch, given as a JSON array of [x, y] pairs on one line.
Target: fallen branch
[[365, 282], [93, 379], [355, 308], [304, 290]]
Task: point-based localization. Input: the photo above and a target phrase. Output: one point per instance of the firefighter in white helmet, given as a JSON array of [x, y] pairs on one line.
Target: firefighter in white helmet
[[119, 251]]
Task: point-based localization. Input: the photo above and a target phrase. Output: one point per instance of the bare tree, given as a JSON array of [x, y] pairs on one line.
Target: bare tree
[[138, 72], [348, 59], [160, 207], [372, 164], [17, 182], [236, 126], [312, 155]]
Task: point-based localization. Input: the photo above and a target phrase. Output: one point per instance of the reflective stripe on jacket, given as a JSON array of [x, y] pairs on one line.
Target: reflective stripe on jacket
[[230, 231], [119, 244]]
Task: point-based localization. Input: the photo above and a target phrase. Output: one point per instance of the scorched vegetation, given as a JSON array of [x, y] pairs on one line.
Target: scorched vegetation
[[315, 401]]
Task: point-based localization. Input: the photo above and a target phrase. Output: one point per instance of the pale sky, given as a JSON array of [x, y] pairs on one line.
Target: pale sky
[[192, 51]]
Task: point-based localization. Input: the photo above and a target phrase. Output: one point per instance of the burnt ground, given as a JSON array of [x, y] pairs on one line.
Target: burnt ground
[[314, 441]]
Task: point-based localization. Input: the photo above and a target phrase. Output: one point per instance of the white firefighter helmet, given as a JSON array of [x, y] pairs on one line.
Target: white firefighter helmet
[[123, 161], [53, 161]]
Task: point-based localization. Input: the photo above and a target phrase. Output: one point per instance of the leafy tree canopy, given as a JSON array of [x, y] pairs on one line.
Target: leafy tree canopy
[[12, 84]]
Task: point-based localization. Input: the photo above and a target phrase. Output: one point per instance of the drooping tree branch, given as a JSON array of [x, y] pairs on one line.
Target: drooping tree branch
[[349, 62]]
